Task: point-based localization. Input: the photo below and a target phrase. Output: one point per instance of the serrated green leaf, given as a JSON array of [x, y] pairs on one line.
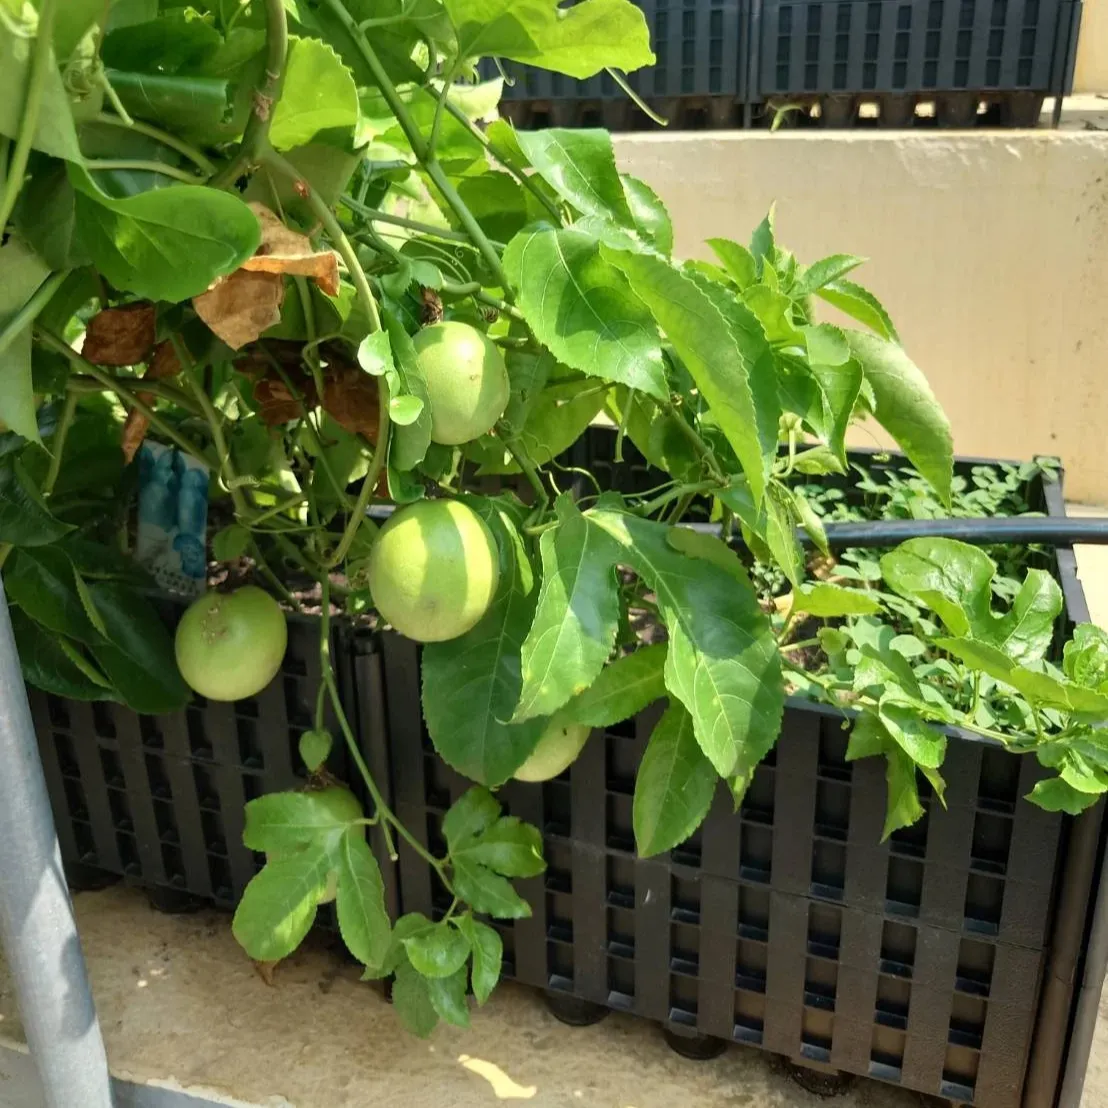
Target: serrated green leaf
[[772, 525], [737, 260], [448, 997], [583, 310], [43, 583], [859, 304], [1086, 657], [509, 847], [168, 244], [487, 892], [360, 901], [471, 684], [576, 617], [315, 748], [906, 407], [828, 601], [279, 905], [674, 786], [579, 41], [193, 104], [922, 743], [722, 662], [580, 165], [472, 813], [714, 352], [868, 737], [1055, 795], [903, 806], [46, 220], [411, 997], [438, 952], [280, 822], [952, 578], [649, 213], [318, 94], [230, 543], [622, 690], [824, 272], [1025, 632], [47, 666], [488, 955]]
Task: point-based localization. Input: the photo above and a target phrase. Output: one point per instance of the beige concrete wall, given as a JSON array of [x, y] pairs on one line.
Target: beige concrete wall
[[1091, 74], [990, 251]]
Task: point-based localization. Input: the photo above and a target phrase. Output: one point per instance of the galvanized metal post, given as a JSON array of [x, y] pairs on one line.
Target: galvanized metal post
[[37, 928]]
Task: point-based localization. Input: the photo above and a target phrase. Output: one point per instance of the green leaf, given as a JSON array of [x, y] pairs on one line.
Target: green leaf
[[46, 220], [315, 748], [737, 260], [230, 543], [622, 690], [580, 165], [922, 743], [1086, 657], [773, 525], [279, 905], [21, 273], [178, 41], [280, 822], [471, 814], [762, 244], [825, 272], [411, 440], [868, 737], [448, 997], [952, 578], [1025, 633], [360, 901], [71, 22], [54, 131], [1054, 795], [195, 105], [577, 615], [648, 213], [714, 352], [411, 997], [903, 807], [906, 407], [169, 244], [583, 310], [471, 684], [859, 304], [674, 787], [827, 601], [488, 892], [579, 41], [488, 955], [722, 662], [24, 518], [43, 583], [47, 666], [838, 388], [509, 847], [439, 952], [138, 657], [326, 169], [318, 94]]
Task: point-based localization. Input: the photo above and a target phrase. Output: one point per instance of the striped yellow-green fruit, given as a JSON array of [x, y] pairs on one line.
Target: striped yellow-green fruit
[[467, 381], [433, 570]]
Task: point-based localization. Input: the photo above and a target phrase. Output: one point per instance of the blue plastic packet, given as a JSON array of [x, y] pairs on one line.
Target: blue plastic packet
[[172, 518]]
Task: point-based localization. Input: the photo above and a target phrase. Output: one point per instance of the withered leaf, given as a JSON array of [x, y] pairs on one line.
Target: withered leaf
[[284, 251], [120, 336], [350, 397], [164, 363], [277, 405], [238, 308]]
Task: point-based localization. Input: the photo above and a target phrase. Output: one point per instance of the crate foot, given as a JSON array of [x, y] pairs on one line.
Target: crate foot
[[173, 902], [823, 1083], [699, 1048], [574, 1011], [89, 879]]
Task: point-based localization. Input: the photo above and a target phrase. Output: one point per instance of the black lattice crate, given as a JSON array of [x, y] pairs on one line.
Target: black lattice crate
[[159, 799], [888, 58], [698, 80], [789, 926]]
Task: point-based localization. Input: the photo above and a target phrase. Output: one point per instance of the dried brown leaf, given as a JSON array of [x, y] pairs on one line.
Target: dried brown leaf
[[277, 404], [120, 336], [284, 251], [350, 397], [240, 307], [163, 363]]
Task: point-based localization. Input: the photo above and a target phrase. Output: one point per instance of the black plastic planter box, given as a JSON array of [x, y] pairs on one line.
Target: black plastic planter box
[[788, 926]]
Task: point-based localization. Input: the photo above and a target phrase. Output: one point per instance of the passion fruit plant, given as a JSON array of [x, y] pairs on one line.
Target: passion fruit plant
[[290, 241]]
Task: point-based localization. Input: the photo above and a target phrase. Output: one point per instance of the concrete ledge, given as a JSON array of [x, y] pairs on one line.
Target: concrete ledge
[[990, 250]]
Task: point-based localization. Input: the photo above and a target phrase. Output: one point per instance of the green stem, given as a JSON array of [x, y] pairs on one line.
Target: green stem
[[440, 103], [163, 168], [678, 493], [469, 222], [381, 809], [275, 582], [65, 421], [41, 63], [803, 645], [529, 471], [113, 384], [635, 98], [155, 388], [255, 136], [113, 97], [187, 150], [500, 306], [698, 444], [374, 216], [680, 508], [30, 311]]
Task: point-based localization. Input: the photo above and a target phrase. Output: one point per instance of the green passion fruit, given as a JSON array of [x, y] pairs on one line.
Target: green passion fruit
[[556, 751], [467, 381]]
